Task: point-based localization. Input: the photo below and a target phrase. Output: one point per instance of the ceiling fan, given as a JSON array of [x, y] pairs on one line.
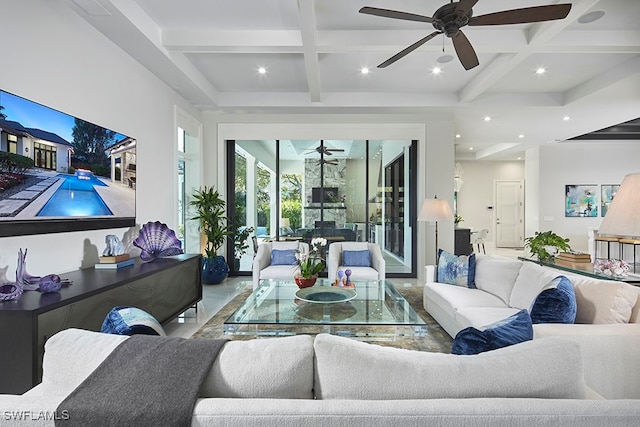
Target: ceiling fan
[[449, 18], [322, 149]]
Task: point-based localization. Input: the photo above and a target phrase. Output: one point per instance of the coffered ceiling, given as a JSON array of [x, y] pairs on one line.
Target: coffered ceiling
[[312, 52]]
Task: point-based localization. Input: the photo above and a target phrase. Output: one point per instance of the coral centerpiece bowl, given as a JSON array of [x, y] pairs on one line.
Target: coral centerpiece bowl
[[303, 282]]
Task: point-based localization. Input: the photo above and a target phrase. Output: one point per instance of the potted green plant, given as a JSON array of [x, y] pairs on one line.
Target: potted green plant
[[546, 244], [240, 244], [457, 219], [210, 213]]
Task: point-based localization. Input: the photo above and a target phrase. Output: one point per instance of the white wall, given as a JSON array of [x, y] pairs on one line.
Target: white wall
[[571, 163], [74, 69], [478, 191]]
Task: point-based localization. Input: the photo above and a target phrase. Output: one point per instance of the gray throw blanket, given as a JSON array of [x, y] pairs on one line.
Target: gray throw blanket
[[145, 381]]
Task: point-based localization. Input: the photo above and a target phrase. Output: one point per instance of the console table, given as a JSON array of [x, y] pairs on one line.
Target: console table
[[587, 270], [164, 288]]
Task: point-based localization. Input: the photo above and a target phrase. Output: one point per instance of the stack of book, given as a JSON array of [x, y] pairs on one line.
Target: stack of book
[[114, 262], [573, 259]]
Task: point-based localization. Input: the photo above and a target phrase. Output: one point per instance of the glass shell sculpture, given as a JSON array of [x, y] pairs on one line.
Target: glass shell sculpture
[[156, 240]]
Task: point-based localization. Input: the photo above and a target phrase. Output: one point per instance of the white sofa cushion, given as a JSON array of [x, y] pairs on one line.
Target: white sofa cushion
[[283, 246], [71, 355], [497, 275], [479, 317], [604, 301], [530, 282], [348, 369], [266, 368], [453, 296], [279, 272]]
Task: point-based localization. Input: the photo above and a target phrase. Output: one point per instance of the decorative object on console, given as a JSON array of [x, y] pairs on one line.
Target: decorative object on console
[[114, 246], [124, 320], [435, 210], [157, 240], [512, 330], [556, 303], [611, 267], [50, 283], [115, 265], [542, 242], [210, 214], [13, 290], [456, 269]]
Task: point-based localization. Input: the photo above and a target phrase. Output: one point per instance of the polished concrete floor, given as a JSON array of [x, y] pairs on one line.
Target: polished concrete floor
[[214, 297]]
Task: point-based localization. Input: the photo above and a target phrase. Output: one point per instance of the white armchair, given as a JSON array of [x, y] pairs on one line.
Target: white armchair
[[335, 261], [262, 267]]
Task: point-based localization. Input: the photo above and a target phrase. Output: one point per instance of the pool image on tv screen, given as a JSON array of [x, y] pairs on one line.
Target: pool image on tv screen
[[61, 173]]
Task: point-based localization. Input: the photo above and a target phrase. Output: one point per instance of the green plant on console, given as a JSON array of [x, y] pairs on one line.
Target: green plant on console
[[539, 243]]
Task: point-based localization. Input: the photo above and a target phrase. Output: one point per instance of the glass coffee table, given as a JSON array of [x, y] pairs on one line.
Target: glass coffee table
[[376, 310]]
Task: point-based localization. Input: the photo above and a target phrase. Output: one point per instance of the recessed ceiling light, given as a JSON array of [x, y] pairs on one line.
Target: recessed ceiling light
[[541, 70], [590, 17], [566, 118], [436, 70], [487, 118], [262, 70], [519, 158], [458, 135], [364, 70], [470, 148], [521, 136], [444, 59]]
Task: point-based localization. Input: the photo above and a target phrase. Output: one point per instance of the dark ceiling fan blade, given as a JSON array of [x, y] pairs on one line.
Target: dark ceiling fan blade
[[523, 16], [465, 52], [409, 49], [465, 6], [386, 13]]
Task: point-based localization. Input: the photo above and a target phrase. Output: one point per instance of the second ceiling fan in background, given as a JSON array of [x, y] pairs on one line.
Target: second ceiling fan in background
[[451, 17]]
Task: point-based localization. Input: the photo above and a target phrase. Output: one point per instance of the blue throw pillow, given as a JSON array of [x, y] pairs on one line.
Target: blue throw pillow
[[512, 330], [123, 320], [556, 303], [356, 258], [456, 270], [283, 257]]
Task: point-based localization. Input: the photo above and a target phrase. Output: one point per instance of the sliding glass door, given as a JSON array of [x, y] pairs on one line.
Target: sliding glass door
[[342, 190]]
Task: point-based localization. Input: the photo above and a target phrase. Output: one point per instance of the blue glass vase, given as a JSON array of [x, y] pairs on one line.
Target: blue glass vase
[[214, 270]]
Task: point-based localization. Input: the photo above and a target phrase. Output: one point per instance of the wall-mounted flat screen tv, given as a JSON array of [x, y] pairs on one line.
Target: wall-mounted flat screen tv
[[324, 195], [60, 173]]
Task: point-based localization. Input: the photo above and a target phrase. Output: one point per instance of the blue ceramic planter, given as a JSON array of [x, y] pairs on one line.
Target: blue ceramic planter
[[214, 270]]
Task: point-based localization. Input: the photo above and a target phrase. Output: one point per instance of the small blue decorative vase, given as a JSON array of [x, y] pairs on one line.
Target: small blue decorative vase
[[214, 270]]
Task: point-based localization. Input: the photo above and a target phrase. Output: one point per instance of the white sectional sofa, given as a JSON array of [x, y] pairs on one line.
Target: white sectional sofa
[[607, 326], [336, 381]]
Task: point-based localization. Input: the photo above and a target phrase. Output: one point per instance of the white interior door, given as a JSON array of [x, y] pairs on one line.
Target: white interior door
[[509, 214]]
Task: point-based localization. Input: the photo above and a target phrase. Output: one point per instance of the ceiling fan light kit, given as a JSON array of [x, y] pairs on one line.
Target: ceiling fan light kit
[[450, 18]]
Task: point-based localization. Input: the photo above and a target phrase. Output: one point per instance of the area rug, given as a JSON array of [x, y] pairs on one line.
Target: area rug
[[437, 340]]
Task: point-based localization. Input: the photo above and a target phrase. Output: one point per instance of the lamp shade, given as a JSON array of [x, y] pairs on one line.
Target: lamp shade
[[435, 210], [623, 215]]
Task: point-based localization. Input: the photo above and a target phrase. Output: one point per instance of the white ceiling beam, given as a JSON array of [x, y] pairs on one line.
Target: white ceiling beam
[[538, 34], [306, 11]]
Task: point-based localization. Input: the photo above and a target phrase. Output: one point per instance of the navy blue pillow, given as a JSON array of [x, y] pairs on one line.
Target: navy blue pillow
[[555, 304], [512, 330], [356, 258], [124, 320], [283, 257], [456, 270]]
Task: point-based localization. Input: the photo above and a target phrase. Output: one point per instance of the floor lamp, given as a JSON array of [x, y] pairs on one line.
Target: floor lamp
[[435, 210]]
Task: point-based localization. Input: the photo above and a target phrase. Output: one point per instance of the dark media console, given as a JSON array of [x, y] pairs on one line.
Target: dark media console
[[164, 288]]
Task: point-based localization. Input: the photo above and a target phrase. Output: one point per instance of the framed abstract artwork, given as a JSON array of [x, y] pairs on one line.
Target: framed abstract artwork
[[581, 201], [607, 194]]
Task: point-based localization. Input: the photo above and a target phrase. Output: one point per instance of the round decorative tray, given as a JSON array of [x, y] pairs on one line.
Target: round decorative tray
[[325, 294]]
